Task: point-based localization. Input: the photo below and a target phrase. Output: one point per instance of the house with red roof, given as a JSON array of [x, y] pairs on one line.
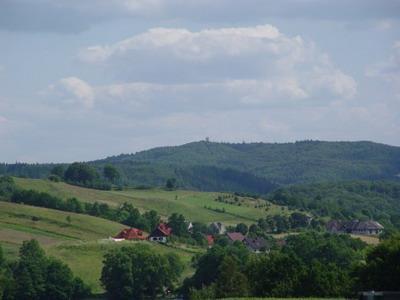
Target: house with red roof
[[235, 236], [161, 233], [210, 240], [130, 234]]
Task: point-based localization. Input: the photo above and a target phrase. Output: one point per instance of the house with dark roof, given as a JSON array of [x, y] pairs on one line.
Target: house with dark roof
[[130, 234], [355, 227], [161, 233], [257, 244], [235, 236]]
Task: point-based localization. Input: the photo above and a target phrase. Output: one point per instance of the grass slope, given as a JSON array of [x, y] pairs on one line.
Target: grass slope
[[50, 227], [80, 243], [86, 259], [192, 204]]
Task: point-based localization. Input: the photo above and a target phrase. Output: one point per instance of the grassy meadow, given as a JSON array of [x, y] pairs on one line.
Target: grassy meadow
[[86, 258], [50, 227], [195, 206], [80, 242]]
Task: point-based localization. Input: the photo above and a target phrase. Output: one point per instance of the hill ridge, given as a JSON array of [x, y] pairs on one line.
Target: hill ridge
[[245, 167]]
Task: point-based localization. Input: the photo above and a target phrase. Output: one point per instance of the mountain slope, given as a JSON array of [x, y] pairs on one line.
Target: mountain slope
[[289, 163], [247, 167]]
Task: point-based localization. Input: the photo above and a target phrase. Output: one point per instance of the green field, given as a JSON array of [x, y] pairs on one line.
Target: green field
[[86, 258], [82, 240], [50, 227], [81, 243], [189, 203]]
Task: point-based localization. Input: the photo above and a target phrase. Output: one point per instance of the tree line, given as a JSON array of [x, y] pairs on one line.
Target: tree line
[[85, 175], [362, 200], [309, 265], [126, 214]]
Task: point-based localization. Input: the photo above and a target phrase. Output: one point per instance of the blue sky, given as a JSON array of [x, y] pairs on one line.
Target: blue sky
[[81, 80]]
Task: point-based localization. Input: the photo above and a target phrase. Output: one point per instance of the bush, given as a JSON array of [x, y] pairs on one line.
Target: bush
[[54, 178]]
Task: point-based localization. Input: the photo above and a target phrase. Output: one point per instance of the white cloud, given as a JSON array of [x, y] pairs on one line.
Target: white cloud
[[233, 92], [73, 91], [3, 120], [188, 45], [257, 64]]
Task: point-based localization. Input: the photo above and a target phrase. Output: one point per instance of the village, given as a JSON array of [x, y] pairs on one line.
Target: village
[[256, 244]]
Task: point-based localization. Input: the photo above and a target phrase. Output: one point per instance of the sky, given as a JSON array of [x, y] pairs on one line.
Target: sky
[[85, 79]]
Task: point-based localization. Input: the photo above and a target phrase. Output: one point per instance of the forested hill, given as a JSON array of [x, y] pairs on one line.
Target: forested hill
[[288, 163], [358, 199], [247, 167]]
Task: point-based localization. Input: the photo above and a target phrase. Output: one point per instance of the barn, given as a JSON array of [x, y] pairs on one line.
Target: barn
[[130, 234]]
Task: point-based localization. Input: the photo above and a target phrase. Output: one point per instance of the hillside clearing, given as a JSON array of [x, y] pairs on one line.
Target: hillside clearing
[[194, 205], [81, 244], [86, 258]]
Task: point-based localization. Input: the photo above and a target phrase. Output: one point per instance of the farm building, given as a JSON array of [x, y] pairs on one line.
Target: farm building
[[235, 236], [130, 234], [257, 244], [355, 227], [210, 240], [161, 233]]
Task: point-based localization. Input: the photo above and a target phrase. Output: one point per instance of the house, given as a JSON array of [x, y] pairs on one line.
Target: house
[[217, 228], [130, 234], [257, 244], [161, 233], [235, 236], [190, 227], [355, 227], [210, 240]]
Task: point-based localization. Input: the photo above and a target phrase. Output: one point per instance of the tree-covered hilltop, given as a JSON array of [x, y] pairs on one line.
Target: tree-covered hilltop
[[378, 200], [245, 167]]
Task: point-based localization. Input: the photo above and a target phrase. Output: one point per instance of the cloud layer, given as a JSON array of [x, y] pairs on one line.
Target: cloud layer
[[71, 16], [100, 77], [222, 67]]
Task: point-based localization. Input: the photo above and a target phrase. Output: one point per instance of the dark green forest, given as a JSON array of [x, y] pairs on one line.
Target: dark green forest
[[309, 265], [245, 167], [363, 200]]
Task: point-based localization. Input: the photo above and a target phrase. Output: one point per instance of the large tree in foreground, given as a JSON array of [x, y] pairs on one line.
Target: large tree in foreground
[[382, 269], [37, 277], [137, 273]]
